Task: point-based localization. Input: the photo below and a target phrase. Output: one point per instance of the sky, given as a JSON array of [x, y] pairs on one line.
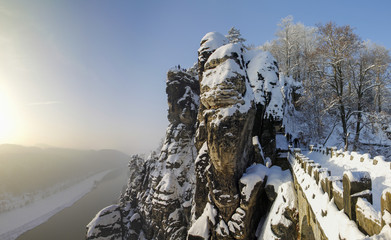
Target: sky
[[91, 73]]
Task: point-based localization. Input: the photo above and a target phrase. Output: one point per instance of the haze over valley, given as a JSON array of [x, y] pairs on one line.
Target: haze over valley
[[32, 176]]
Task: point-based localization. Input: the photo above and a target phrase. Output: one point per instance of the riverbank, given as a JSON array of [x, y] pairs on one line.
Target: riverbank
[[70, 223], [18, 221]]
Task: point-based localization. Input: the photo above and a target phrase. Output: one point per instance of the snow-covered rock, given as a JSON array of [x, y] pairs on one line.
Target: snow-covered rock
[[107, 224], [262, 70], [205, 182], [240, 100], [156, 204], [281, 221]]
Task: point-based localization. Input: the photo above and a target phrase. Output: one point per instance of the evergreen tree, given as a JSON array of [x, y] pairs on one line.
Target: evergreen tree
[[234, 36]]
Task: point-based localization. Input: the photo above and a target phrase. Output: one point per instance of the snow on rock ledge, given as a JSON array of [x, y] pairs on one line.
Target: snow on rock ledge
[[211, 41], [282, 218], [275, 179], [253, 175], [107, 223], [263, 74], [201, 228]]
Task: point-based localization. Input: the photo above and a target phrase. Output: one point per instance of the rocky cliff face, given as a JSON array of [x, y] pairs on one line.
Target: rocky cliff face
[[208, 181], [236, 86], [157, 202]]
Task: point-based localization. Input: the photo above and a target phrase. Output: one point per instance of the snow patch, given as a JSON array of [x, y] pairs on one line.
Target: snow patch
[[218, 75], [103, 217], [281, 142], [201, 226], [276, 177], [222, 229], [286, 198], [367, 209], [253, 175], [226, 51], [212, 41], [357, 176], [263, 75]]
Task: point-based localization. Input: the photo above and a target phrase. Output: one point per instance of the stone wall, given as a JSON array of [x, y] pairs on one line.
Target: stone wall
[[378, 161], [351, 192], [308, 224]]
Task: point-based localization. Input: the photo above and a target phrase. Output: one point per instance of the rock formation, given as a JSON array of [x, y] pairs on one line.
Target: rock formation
[[283, 221], [208, 182], [235, 86], [157, 202]]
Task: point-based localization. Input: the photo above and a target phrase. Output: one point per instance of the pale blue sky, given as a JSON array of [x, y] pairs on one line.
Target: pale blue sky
[[91, 73]]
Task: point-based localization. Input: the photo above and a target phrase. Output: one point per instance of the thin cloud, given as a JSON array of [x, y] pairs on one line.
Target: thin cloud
[[43, 103]]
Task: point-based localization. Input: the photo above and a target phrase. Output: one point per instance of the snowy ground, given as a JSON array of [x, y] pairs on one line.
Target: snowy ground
[[18, 221], [380, 175]]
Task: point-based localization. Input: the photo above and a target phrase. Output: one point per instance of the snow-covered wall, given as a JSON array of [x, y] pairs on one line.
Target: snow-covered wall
[[352, 192]]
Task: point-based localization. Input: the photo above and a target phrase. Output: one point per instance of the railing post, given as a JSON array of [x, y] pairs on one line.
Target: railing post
[[329, 185], [296, 150], [355, 184], [323, 176], [385, 204]]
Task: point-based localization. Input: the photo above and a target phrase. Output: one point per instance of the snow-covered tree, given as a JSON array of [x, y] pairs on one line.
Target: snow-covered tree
[[382, 61], [293, 47], [234, 36], [368, 80], [361, 84], [344, 81], [338, 45], [294, 50], [340, 75]]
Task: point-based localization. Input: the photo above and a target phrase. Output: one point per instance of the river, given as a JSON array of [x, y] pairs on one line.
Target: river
[[70, 223]]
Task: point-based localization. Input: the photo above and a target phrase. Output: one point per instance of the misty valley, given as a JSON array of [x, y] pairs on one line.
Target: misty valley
[[37, 183]]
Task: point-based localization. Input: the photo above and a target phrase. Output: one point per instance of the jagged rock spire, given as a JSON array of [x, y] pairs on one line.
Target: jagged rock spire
[[224, 136], [198, 185], [157, 202]]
